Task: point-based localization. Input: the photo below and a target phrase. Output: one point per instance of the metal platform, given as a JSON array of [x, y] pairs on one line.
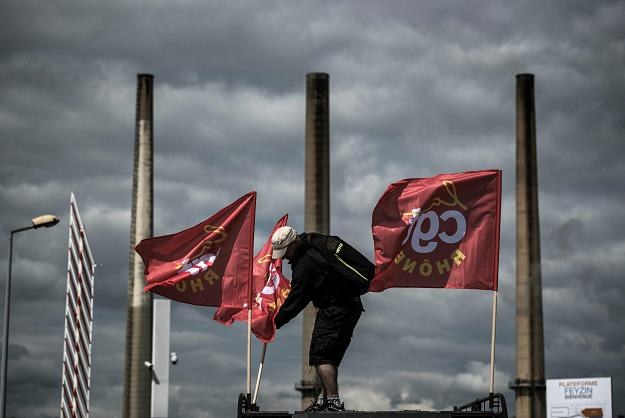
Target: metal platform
[[376, 414], [493, 406]]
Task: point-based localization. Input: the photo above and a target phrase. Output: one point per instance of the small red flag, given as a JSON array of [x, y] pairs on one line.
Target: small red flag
[[269, 288], [440, 232], [209, 264]]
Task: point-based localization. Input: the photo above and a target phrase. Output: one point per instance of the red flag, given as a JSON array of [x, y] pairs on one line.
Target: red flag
[[269, 288], [209, 264], [439, 232], [267, 303]]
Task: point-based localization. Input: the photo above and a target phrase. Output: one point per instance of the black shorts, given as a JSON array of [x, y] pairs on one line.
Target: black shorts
[[332, 334]]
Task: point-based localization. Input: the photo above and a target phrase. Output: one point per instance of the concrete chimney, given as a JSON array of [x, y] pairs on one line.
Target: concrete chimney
[[317, 203], [137, 377], [529, 384]]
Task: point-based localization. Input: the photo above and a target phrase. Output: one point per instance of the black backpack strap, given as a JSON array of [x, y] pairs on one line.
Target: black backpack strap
[[316, 249]]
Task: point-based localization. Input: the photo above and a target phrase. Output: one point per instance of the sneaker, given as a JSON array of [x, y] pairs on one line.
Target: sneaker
[[334, 405], [316, 406]]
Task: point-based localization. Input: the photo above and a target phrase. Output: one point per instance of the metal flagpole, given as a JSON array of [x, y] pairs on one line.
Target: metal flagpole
[[5, 341], [492, 344], [250, 287], [260, 372], [248, 385]]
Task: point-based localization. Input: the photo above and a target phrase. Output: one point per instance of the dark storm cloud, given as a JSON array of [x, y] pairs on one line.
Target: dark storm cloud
[[417, 88], [204, 41]]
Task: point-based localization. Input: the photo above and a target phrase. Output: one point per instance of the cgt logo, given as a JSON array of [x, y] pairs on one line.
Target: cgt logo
[[198, 264], [272, 296], [204, 260], [422, 240]]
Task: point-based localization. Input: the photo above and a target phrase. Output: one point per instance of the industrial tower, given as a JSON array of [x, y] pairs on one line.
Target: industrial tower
[[137, 377], [529, 384], [317, 203]]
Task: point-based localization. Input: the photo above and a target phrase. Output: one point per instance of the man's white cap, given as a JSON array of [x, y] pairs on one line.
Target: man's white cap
[[281, 240]]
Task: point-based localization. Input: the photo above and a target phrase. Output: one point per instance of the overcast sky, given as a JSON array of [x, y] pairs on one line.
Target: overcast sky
[[417, 88]]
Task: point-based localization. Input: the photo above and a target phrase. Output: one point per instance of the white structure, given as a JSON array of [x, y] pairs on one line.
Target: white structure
[[589, 397], [161, 357], [78, 320]]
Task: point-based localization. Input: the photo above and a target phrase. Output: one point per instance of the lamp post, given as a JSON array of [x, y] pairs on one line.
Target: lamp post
[[45, 221]]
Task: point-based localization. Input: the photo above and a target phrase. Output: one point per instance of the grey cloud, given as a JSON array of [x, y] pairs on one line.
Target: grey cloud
[[416, 89]]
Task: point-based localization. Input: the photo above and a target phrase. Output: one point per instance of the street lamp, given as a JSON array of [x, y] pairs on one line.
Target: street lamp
[[45, 221]]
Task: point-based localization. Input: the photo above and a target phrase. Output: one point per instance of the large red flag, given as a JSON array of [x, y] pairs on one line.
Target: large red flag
[[269, 288], [441, 231], [207, 264], [267, 303]]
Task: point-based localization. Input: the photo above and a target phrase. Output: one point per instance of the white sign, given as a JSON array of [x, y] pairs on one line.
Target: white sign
[[579, 398]]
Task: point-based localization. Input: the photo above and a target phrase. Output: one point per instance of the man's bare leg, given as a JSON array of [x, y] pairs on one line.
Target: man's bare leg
[[329, 379]]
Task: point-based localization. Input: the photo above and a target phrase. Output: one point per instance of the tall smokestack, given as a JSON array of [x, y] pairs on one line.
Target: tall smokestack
[[530, 358], [138, 378], [317, 202]]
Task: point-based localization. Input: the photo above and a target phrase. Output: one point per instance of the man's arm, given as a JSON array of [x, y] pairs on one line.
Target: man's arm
[[299, 296]]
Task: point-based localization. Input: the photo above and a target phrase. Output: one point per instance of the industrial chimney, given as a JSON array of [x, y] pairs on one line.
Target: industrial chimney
[[137, 377], [529, 384], [317, 203]]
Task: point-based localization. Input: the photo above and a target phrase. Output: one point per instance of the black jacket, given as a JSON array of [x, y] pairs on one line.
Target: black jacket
[[311, 282]]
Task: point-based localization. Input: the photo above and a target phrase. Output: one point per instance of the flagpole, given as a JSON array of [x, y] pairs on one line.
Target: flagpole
[[260, 372], [248, 384], [492, 344]]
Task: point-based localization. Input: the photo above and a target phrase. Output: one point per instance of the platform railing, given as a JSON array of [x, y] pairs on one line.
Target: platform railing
[[494, 402]]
